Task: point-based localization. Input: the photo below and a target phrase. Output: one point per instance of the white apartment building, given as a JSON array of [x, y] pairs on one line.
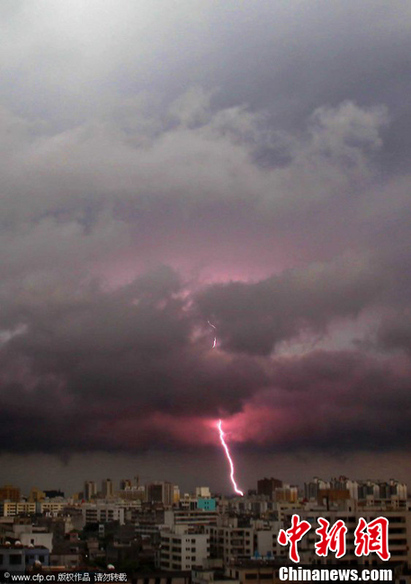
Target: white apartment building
[[102, 512], [53, 506], [189, 517], [203, 492], [233, 542], [13, 508], [183, 551], [27, 534]]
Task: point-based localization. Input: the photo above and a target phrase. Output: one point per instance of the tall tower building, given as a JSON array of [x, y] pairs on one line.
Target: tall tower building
[[160, 492], [90, 490], [107, 488], [10, 493], [36, 495], [267, 486], [313, 488]]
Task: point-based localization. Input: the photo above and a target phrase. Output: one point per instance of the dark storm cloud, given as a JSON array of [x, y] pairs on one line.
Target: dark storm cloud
[[394, 334], [339, 402], [324, 401], [108, 355], [100, 369], [256, 153], [255, 317]]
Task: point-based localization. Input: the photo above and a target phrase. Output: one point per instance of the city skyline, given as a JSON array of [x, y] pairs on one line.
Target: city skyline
[[205, 215], [271, 488]]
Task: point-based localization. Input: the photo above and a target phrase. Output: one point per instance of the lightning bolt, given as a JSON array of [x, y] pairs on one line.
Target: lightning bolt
[[215, 337], [227, 452]]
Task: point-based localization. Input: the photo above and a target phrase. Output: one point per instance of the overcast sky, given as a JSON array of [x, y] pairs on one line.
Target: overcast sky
[[169, 163]]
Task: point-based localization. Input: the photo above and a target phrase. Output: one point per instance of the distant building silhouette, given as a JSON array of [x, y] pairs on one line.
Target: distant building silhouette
[[90, 490], [10, 493], [267, 486], [107, 488]]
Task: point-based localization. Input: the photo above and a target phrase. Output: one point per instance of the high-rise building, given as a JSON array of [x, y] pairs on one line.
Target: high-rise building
[[125, 484], [36, 495], [312, 489], [10, 493], [398, 489], [183, 551], [160, 492], [90, 490], [381, 490], [286, 493], [234, 542], [107, 488], [367, 489], [267, 486]]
